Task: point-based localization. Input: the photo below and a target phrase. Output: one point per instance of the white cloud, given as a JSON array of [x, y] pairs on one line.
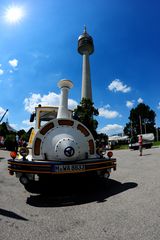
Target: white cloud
[[117, 86], [14, 126], [2, 111], [104, 112], [158, 105], [52, 99], [140, 100], [1, 71], [130, 104], [25, 124], [111, 129], [72, 104], [13, 63], [28, 123]]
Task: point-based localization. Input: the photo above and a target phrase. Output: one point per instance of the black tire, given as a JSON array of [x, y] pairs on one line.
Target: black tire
[[32, 187]]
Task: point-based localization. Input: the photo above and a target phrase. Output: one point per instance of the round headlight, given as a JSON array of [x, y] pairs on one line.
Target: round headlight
[[24, 180], [110, 154], [13, 154], [24, 151]]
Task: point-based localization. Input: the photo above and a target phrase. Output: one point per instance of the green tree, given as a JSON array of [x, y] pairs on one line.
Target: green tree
[[21, 133], [84, 113], [3, 130], [102, 139], [10, 142], [141, 120]]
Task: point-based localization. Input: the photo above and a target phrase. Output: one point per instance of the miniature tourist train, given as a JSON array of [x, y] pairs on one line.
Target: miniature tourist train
[[61, 146]]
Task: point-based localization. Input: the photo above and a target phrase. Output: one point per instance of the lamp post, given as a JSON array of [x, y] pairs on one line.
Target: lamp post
[[140, 123], [145, 125]]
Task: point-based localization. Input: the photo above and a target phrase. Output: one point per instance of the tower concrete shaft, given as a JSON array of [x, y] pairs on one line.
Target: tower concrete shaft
[[86, 91], [86, 48]]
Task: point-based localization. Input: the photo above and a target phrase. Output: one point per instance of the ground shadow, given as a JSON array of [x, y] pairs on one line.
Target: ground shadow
[[10, 214], [147, 154], [78, 191]]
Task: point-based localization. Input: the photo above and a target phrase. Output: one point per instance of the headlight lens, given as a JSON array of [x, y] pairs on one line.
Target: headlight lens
[[24, 151], [13, 154], [110, 154]]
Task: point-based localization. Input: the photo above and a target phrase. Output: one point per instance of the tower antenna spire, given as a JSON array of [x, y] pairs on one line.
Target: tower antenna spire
[[85, 29]]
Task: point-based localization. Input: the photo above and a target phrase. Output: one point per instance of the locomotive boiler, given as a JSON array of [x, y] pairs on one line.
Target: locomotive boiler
[[59, 145]]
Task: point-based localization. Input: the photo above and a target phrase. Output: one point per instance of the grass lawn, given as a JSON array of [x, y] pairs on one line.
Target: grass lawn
[[156, 144]]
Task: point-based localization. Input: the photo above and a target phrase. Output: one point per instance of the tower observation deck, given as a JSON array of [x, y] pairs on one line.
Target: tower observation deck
[[86, 48]]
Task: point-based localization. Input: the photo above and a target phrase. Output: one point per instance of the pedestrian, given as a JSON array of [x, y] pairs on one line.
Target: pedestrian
[[140, 141]]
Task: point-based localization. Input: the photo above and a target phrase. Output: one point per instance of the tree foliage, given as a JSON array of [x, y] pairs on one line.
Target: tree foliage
[[3, 130], [141, 120], [84, 113], [10, 137], [101, 140]]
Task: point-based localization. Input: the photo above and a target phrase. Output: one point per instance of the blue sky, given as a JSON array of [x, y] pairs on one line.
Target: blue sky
[[40, 48]]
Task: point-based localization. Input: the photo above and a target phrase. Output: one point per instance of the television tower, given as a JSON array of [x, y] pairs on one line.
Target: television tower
[[86, 48]]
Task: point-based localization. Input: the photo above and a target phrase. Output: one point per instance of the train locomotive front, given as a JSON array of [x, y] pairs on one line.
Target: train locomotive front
[[62, 146]]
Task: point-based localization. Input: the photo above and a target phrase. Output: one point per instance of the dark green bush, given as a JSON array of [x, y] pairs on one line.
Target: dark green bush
[[10, 143]]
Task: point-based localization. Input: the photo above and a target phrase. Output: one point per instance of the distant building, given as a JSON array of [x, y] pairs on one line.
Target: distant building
[[9, 128]]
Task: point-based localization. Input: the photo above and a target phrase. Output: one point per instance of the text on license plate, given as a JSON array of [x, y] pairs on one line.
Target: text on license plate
[[66, 168]]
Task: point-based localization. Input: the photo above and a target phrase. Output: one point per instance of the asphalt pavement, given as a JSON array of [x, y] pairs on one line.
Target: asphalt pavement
[[126, 207]]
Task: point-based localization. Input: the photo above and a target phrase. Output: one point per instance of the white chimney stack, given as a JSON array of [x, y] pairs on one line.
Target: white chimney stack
[[64, 85]]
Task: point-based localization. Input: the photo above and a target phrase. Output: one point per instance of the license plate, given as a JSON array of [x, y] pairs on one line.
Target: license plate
[[68, 168]]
